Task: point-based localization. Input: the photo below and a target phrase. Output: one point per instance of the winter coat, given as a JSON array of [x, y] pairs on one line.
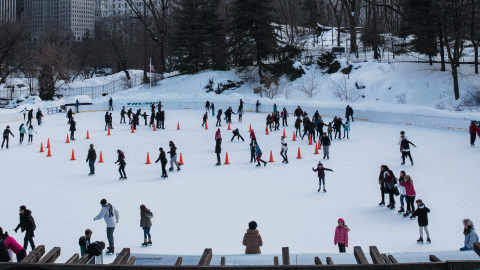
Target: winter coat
[[121, 159], [252, 135], [162, 116], [205, 117], [253, 241], [31, 131], [218, 146], [69, 114], [478, 132], [236, 132], [473, 128], [321, 171], [12, 244], [257, 150], [22, 129], [72, 126], [83, 242], [470, 238], [346, 126], [145, 221], [109, 214], [219, 114], [381, 178], [325, 141], [39, 114], [409, 190], [390, 181], [341, 235], [284, 145], [173, 151], [162, 158], [405, 145], [297, 123], [298, 112], [94, 249], [401, 188], [27, 223], [329, 129], [421, 213], [338, 124], [4, 255], [122, 112], [7, 132], [92, 154], [218, 136]]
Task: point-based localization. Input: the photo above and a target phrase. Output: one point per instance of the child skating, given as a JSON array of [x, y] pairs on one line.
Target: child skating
[[421, 213], [321, 175], [341, 235]]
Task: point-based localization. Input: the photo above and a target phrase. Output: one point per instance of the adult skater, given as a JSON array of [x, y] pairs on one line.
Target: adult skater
[[152, 119], [422, 214], [24, 111], [205, 117], [402, 133], [22, 132], [69, 116], [275, 109], [284, 149], [252, 136], [406, 149], [276, 120], [91, 158], [236, 133], [381, 181], [473, 132], [77, 104], [252, 152], [218, 148], [6, 133], [298, 124], [111, 216], [410, 193], [107, 120], [163, 160], [207, 106], [13, 245], [329, 130], [240, 114], [129, 114], [30, 117], [73, 128], [39, 116], [325, 143], [319, 126], [157, 117], [241, 104], [402, 191], [84, 242], [121, 164], [110, 120], [315, 116], [298, 112], [470, 235], [252, 240], [145, 115], [306, 124], [390, 182], [153, 108], [284, 116], [173, 156], [321, 175], [257, 105], [337, 126], [162, 119], [219, 118], [341, 235], [110, 104], [27, 225], [258, 153], [212, 106], [269, 122], [146, 223], [349, 113], [30, 134], [346, 129], [122, 115]]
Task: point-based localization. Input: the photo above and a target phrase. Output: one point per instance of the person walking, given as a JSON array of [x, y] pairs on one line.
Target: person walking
[[284, 149], [218, 148], [122, 115], [121, 164], [173, 156], [110, 120], [325, 143], [402, 191], [381, 181], [27, 225], [471, 236], [72, 129], [22, 132], [406, 149], [6, 133], [341, 235], [241, 104], [252, 240], [410, 192], [284, 116], [236, 133], [13, 245], [111, 216], [163, 160], [321, 175], [84, 242], [30, 117], [110, 104], [258, 153], [146, 223], [30, 134], [298, 123], [473, 132], [162, 119], [39, 116], [91, 158], [422, 214]]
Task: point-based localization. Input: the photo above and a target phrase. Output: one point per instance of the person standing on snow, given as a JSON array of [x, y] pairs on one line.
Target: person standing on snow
[[145, 115], [27, 224], [341, 235], [173, 156], [298, 112], [205, 117], [329, 130], [163, 160], [22, 132], [390, 182], [129, 114], [321, 175], [422, 212], [325, 143], [69, 116], [406, 149], [284, 116], [283, 151], [77, 104], [30, 116], [470, 235], [30, 134], [219, 118], [73, 128], [236, 132], [110, 120], [111, 217], [122, 115], [24, 111], [121, 162], [401, 190], [110, 104], [258, 153], [91, 158], [146, 223], [473, 132], [349, 113], [241, 104], [39, 116], [162, 119], [107, 120], [275, 109], [6, 134]]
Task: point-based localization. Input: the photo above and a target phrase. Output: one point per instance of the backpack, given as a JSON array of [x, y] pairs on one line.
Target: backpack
[[95, 249], [4, 255]]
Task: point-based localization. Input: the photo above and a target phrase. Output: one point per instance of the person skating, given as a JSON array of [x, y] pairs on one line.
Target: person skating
[[298, 112], [69, 116], [91, 158], [390, 182], [22, 132], [207, 106], [306, 124], [471, 236], [253, 138], [146, 223], [337, 125], [402, 133], [321, 175], [341, 235], [110, 104], [218, 149], [346, 129], [240, 114], [173, 156], [111, 216], [163, 160], [252, 240], [162, 119], [284, 149], [402, 191], [275, 109], [13, 245], [276, 120], [284, 117], [24, 111], [228, 114], [257, 105], [122, 115], [107, 120], [258, 154], [129, 114], [212, 106], [30, 117], [298, 124], [110, 120], [121, 164], [157, 117], [311, 131], [319, 124], [381, 181], [349, 113], [145, 115], [205, 117], [406, 149], [473, 132], [329, 130], [6, 133], [219, 118], [236, 133], [241, 104], [410, 192], [84, 242], [252, 152], [39, 116], [27, 225], [269, 122], [422, 214], [30, 134], [73, 128], [77, 104], [315, 116], [325, 143], [152, 119]]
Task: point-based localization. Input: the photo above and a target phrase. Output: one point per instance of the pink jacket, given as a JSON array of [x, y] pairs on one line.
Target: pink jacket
[[252, 135], [341, 235], [218, 135], [410, 191], [12, 244]]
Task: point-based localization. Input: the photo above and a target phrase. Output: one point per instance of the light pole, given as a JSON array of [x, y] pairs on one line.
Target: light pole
[[145, 75]]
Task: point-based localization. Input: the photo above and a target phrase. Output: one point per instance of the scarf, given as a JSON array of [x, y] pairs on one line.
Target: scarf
[[110, 210]]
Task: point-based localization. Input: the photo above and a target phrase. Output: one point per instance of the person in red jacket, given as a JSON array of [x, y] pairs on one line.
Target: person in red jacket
[[12, 244], [321, 175], [473, 132], [341, 235]]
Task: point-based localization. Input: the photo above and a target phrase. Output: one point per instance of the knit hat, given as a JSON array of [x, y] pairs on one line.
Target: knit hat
[[468, 222], [23, 207], [320, 164], [341, 220]]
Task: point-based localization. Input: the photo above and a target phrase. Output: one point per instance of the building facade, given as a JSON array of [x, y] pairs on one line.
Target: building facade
[[8, 11]]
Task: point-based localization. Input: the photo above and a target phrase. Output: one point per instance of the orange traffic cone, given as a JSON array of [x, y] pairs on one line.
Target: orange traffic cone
[[310, 140], [319, 145], [181, 159], [101, 158], [154, 127], [228, 126], [267, 131], [68, 141], [316, 150], [73, 155], [299, 156], [148, 158], [108, 134], [226, 159], [88, 135], [41, 147], [294, 140], [250, 128], [133, 129], [206, 125], [284, 133], [178, 125], [49, 154], [48, 143], [271, 157]]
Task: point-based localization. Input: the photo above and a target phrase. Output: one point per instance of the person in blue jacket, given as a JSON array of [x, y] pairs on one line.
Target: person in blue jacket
[[346, 129], [258, 153], [470, 235]]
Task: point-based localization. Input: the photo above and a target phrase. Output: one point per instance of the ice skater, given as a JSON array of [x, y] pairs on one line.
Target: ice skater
[[321, 175], [145, 222], [22, 132], [30, 134], [163, 160], [111, 217], [240, 114], [284, 149], [404, 144], [284, 116], [27, 224], [325, 143], [73, 128], [236, 133], [252, 137], [422, 214], [341, 235], [122, 115], [145, 115], [258, 154], [252, 152], [219, 118], [13, 245], [298, 131], [218, 149], [173, 156], [39, 116], [410, 193], [473, 132], [346, 129], [110, 104], [6, 133], [91, 158], [205, 118], [121, 164], [381, 181]]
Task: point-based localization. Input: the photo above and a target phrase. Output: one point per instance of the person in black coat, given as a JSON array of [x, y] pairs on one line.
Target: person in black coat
[[236, 132], [218, 150], [219, 118], [95, 249], [145, 115], [207, 106], [122, 115], [27, 224], [7, 132], [298, 124], [69, 116], [91, 158], [405, 147], [163, 160], [107, 120], [421, 212], [73, 128], [121, 162], [157, 117], [39, 117], [349, 113], [162, 119], [325, 142], [30, 116], [129, 114], [110, 104], [337, 125]]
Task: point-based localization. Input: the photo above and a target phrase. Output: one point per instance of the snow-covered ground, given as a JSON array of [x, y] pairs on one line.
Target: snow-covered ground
[[208, 206]]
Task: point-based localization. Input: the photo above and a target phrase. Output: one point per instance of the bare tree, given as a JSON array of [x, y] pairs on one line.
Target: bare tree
[[310, 86], [337, 9], [353, 13], [341, 90], [14, 48]]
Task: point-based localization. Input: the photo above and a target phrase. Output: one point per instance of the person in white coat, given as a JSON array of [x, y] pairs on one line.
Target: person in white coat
[[111, 217]]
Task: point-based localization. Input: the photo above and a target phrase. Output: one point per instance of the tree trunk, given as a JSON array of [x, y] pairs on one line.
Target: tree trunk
[[375, 33], [455, 80], [430, 60], [442, 52], [475, 49]]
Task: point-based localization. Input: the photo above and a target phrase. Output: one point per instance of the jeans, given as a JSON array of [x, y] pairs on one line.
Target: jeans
[[5, 139], [320, 180], [402, 197], [173, 160], [341, 247], [259, 158], [91, 164], [30, 138], [283, 153], [146, 232], [110, 237], [284, 122], [110, 107], [121, 170], [326, 151], [164, 170], [28, 238]]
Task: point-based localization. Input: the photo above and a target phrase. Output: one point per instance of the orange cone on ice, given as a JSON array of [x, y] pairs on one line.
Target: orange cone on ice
[[319, 145], [108, 134], [48, 143], [154, 127], [148, 158], [181, 159], [73, 155], [178, 125], [68, 141], [299, 156], [226, 159], [271, 157], [101, 158], [310, 140], [250, 128], [266, 133], [41, 148], [49, 154], [206, 125], [316, 150], [284, 133], [133, 129], [294, 140], [88, 135]]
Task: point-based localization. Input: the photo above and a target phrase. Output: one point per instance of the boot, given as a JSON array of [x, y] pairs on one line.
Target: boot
[[145, 243], [382, 203], [406, 214], [110, 251], [429, 241], [150, 242], [170, 169], [401, 210], [390, 204], [420, 240]]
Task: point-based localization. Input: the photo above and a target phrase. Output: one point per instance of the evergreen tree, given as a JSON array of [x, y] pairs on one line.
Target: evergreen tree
[[46, 83], [214, 31], [253, 36]]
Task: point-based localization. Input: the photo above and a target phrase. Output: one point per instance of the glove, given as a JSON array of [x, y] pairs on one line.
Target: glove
[[16, 230]]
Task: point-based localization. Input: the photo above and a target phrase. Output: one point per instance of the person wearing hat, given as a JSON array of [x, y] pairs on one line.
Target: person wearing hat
[[163, 160], [321, 175], [470, 235], [341, 235], [473, 132], [27, 224], [73, 128], [252, 239], [91, 158], [111, 217], [6, 134]]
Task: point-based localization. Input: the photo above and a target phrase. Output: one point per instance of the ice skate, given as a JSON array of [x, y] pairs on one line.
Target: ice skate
[[401, 210], [429, 241], [420, 240]]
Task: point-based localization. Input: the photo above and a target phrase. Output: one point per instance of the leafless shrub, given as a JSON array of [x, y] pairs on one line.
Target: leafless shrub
[[342, 91], [310, 86]]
